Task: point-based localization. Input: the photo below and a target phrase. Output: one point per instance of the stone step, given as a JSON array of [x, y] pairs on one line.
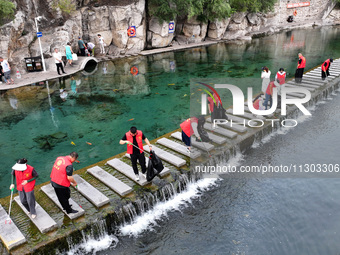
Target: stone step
[[333, 72], [43, 221], [246, 108], [49, 191], [306, 83], [9, 233], [179, 148], [126, 170], [164, 172], [200, 145], [91, 193], [301, 85], [236, 128], [247, 115], [167, 156], [296, 94], [220, 130], [217, 139], [318, 75], [314, 79]]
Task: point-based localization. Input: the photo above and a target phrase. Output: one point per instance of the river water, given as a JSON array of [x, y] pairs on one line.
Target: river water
[[254, 214]]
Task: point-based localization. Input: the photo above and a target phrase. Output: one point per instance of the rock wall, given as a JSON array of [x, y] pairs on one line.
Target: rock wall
[[112, 19]]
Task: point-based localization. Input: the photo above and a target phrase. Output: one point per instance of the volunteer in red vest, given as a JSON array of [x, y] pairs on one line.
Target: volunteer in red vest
[[61, 179], [189, 127], [25, 176], [134, 140], [281, 76], [269, 94], [325, 68], [300, 68]]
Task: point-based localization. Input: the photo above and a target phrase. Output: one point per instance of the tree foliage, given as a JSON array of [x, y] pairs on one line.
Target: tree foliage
[[206, 10], [7, 10], [66, 6]]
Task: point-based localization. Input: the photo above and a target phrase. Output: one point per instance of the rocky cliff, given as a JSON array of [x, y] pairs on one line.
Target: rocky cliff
[[112, 19]]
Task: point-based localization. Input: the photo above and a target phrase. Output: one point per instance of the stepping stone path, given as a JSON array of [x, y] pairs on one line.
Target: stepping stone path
[[179, 148], [200, 145], [49, 191], [167, 156], [164, 172], [43, 221], [91, 193]]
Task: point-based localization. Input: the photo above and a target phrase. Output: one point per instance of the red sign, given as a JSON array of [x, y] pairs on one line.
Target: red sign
[[296, 5]]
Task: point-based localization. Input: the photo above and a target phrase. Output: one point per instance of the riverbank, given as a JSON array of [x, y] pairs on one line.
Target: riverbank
[[118, 209]]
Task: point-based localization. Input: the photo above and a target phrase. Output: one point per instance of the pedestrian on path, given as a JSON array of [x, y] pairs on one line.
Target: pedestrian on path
[[265, 76], [189, 127], [300, 68], [6, 68], [61, 179], [134, 140], [90, 47], [101, 44], [325, 68], [25, 176], [281, 76], [69, 53], [269, 94], [81, 46], [58, 61]]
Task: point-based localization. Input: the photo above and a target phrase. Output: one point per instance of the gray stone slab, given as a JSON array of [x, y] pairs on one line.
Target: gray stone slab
[[247, 115], [313, 79], [49, 191], [220, 130], [9, 232], [164, 172], [167, 156], [313, 84], [178, 147], [246, 108], [234, 127], [301, 85], [200, 145], [91, 193], [126, 170], [43, 221], [317, 75], [217, 139], [296, 94]]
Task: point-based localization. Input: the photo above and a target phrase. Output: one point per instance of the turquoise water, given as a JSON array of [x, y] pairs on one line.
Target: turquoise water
[[36, 123]]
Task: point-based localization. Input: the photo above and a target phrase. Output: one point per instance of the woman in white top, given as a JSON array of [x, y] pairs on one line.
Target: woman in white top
[[101, 43], [265, 75]]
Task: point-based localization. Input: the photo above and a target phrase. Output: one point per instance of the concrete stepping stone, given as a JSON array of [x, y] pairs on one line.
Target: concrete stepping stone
[[43, 221], [127, 171], [200, 145], [9, 233], [314, 79], [167, 156], [49, 191], [246, 108], [313, 84], [91, 193], [164, 172], [179, 148], [234, 127], [220, 130], [217, 139], [296, 94], [317, 75], [301, 85], [248, 115]]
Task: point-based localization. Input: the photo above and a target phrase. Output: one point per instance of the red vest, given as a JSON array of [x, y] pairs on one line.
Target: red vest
[[139, 138], [303, 62], [256, 104], [269, 88], [281, 77], [26, 175], [324, 68], [186, 126], [58, 174]]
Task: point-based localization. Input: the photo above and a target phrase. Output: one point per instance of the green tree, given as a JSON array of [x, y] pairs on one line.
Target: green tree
[[66, 6], [7, 10]]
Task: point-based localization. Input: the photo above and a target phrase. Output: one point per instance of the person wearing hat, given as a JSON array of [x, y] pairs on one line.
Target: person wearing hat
[[325, 68], [25, 176], [61, 179], [134, 140]]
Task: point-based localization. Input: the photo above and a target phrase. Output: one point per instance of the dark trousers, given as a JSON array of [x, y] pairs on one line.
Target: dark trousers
[[141, 159], [266, 100], [324, 74], [82, 51], [64, 195], [298, 75], [28, 200], [60, 66]]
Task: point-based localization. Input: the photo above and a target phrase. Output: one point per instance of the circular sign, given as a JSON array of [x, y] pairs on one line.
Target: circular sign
[[131, 31]]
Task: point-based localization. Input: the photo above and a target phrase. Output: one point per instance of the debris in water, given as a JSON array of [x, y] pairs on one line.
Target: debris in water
[[131, 119], [73, 143], [89, 143], [171, 84]]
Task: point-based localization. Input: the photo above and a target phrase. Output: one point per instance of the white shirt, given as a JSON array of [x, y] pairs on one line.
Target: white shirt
[[90, 45], [264, 74], [5, 66], [101, 39], [57, 57]]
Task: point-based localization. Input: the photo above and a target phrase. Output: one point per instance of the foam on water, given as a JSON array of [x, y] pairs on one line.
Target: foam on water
[[148, 220], [92, 246]]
